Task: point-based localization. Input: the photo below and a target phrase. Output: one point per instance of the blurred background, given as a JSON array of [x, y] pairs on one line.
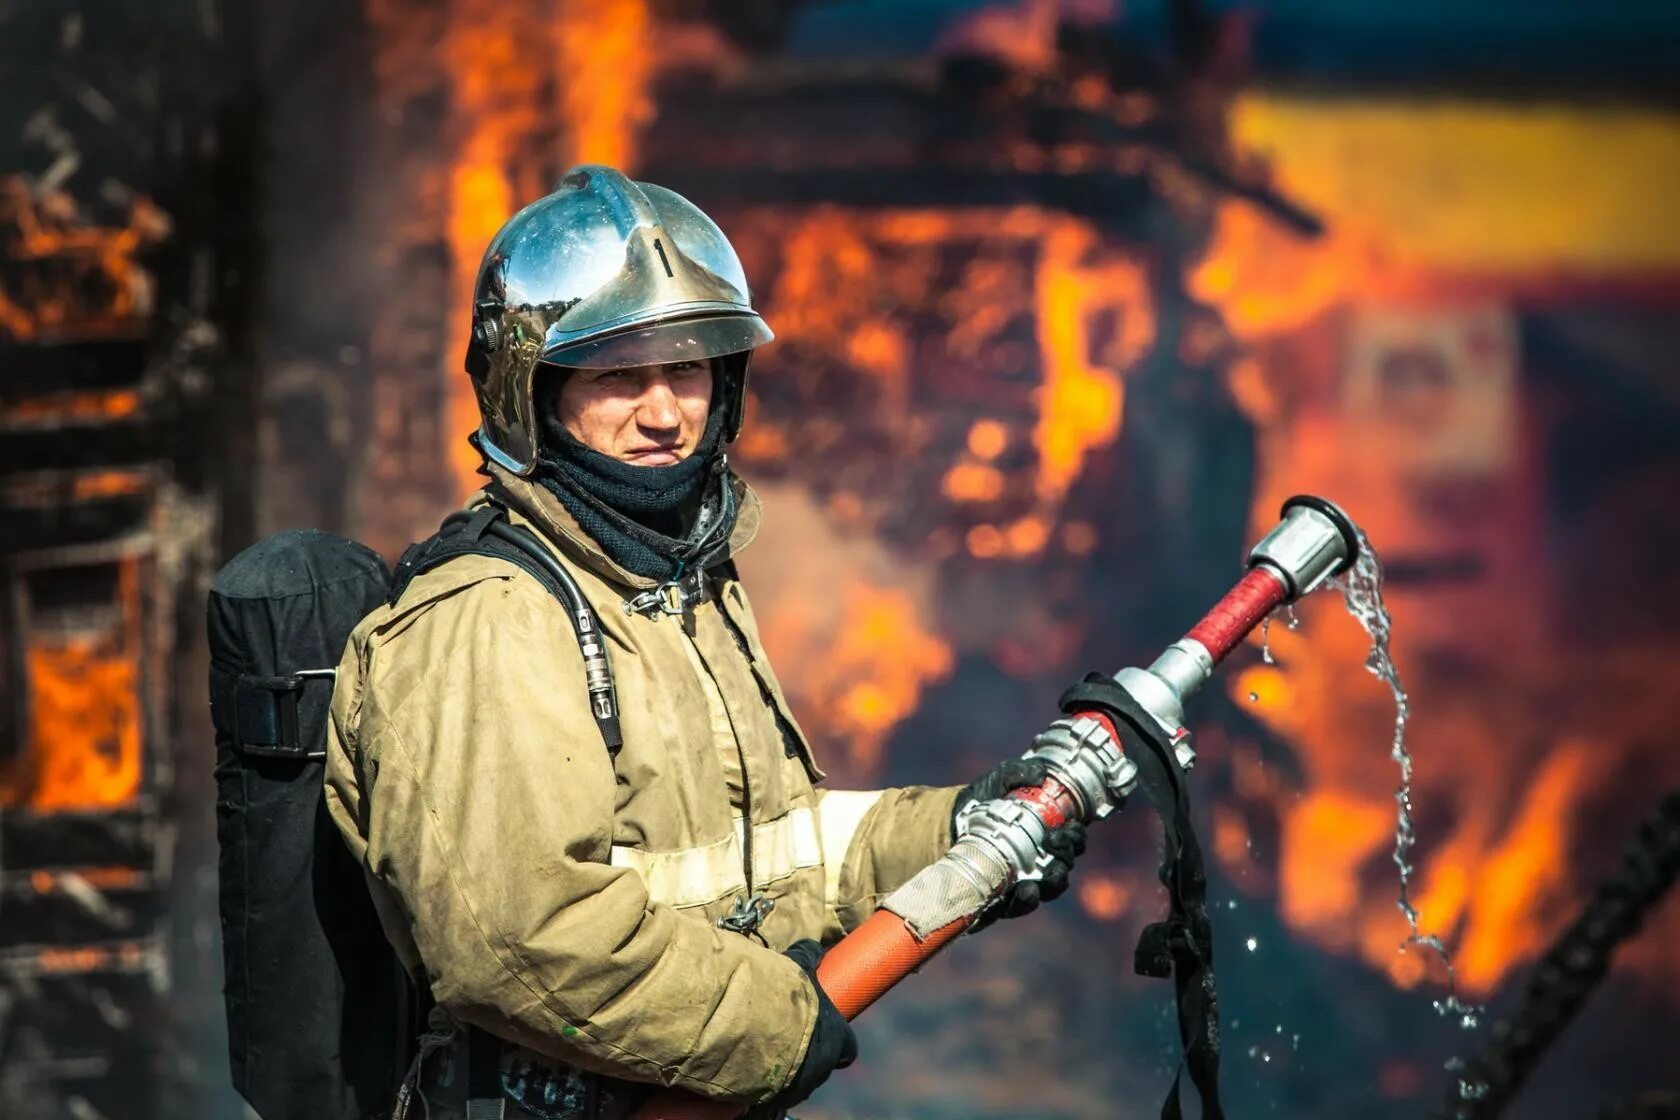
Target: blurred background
[[1069, 297]]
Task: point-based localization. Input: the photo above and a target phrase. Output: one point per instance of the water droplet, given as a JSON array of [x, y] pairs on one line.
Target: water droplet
[[1265, 1057], [1454, 1064], [1472, 1090], [1231, 905], [1253, 1051], [1280, 1028], [1292, 620], [1253, 943], [1253, 696]]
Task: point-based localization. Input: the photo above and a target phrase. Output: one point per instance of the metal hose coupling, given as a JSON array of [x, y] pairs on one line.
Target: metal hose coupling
[[1013, 832], [1090, 777], [1089, 764], [1314, 541]]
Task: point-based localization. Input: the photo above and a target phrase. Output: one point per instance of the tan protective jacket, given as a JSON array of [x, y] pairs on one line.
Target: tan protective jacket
[[568, 901]]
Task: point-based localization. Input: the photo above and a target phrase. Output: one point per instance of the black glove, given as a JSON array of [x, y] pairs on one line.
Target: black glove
[[1065, 844], [833, 1045]]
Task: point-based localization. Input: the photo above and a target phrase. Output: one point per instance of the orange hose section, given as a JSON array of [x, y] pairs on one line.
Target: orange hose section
[[855, 973], [875, 956]]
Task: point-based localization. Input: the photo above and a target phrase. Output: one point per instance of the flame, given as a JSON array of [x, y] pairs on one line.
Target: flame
[[73, 406], [1080, 405], [608, 66], [1515, 880], [111, 878], [69, 277], [847, 283], [82, 748], [497, 66], [513, 76], [48, 489], [1267, 280], [127, 956], [858, 683], [1023, 33], [973, 482], [1103, 896]]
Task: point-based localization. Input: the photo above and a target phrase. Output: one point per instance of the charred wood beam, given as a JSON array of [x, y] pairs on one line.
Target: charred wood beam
[[125, 838], [38, 370], [81, 446], [1096, 196], [83, 522], [75, 907], [908, 141]]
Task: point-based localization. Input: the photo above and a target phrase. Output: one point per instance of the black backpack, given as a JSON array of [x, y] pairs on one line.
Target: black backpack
[[322, 1018]]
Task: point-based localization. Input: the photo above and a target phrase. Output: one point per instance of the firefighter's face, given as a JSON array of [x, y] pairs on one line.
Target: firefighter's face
[[651, 416]]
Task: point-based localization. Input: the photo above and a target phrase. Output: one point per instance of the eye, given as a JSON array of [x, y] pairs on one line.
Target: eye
[[688, 367]]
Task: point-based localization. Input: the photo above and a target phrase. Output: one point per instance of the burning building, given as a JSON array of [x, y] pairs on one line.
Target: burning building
[[123, 288], [1062, 318]]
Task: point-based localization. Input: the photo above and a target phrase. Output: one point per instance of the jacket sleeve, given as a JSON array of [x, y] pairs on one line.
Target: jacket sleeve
[[524, 928], [874, 841]]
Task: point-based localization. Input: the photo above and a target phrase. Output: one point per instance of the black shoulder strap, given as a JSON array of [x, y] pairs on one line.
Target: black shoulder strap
[[486, 531], [467, 534]]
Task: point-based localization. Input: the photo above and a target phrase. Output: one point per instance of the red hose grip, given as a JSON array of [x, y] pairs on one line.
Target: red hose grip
[[1051, 802], [1254, 597]]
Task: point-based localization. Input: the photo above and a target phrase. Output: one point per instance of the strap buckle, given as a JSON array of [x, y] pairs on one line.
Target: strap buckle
[[747, 914], [674, 597], [260, 713]]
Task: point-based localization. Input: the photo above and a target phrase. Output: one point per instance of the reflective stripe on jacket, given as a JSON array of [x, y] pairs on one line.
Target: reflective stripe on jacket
[[567, 901]]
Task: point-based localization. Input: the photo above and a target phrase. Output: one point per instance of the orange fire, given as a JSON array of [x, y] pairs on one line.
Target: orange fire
[[1080, 406], [72, 278], [532, 92], [860, 285], [859, 677], [72, 407], [847, 279], [1103, 896], [82, 748]]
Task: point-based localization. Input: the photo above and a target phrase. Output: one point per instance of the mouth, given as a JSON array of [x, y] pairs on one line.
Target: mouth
[[662, 456]]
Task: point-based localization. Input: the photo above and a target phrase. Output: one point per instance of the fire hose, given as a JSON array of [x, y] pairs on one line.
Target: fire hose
[[1001, 843]]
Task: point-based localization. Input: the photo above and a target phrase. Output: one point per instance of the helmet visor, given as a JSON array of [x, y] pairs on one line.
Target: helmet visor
[[679, 340]]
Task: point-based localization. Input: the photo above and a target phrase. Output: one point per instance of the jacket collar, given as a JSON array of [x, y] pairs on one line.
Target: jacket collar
[[533, 504]]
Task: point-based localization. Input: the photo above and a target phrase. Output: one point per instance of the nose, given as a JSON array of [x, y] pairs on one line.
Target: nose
[[657, 410]]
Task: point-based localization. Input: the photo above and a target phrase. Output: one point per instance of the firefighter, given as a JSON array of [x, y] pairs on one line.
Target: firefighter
[[593, 923]]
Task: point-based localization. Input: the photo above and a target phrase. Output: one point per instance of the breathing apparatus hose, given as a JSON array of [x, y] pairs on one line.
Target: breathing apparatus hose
[[1571, 969], [1000, 842]]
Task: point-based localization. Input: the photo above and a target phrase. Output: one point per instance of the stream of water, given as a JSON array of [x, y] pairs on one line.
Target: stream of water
[[1361, 588]]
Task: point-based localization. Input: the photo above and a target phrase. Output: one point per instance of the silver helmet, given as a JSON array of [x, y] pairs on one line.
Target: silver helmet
[[603, 273]]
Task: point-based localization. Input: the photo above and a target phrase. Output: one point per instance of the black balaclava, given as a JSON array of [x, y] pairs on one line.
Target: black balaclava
[[659, 522]]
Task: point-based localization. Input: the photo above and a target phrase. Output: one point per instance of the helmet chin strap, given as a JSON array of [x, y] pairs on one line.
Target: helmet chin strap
[[731, 374]]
